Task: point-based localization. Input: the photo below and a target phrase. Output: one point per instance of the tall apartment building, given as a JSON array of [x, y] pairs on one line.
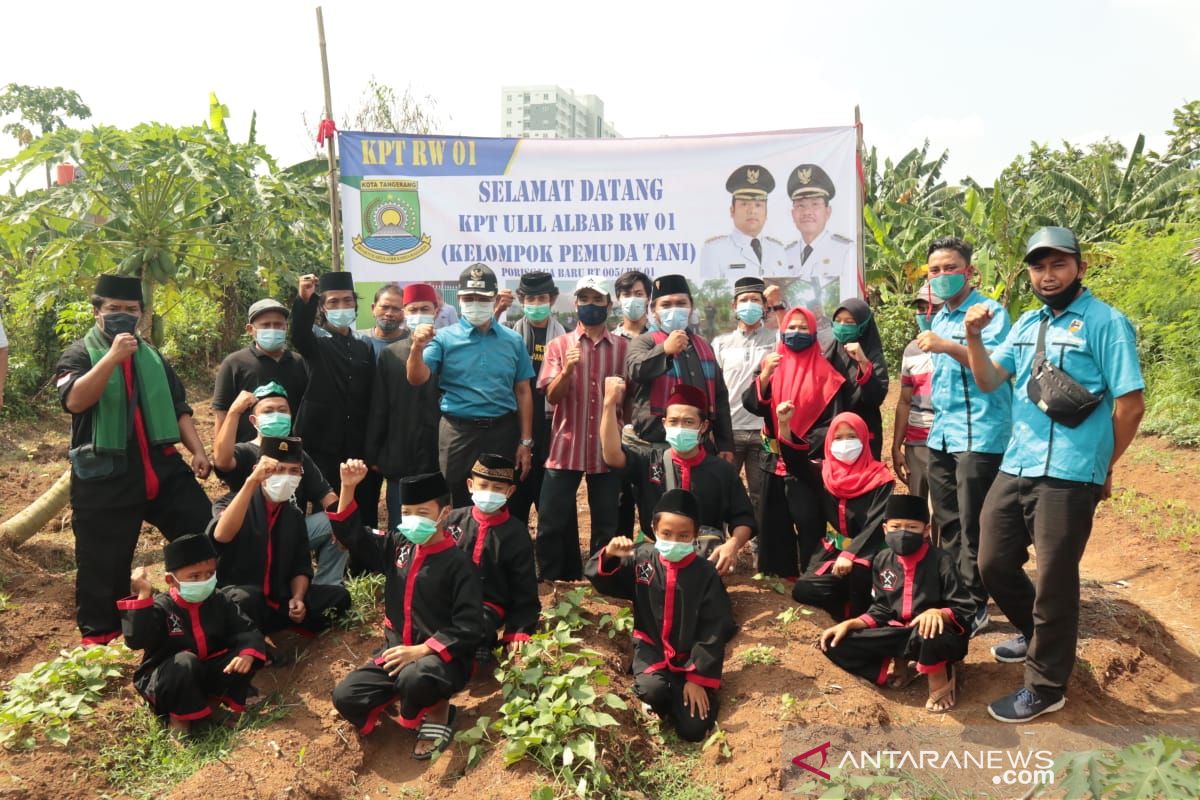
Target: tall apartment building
[[551, 112]]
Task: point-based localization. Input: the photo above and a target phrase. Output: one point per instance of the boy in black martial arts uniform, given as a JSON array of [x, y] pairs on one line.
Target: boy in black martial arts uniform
[[681, 615], [921, 612], [262, 539], [500, 547], [434, 603], [198, 645]]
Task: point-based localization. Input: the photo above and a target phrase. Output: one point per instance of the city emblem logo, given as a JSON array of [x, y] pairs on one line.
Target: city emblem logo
[[391, 221]]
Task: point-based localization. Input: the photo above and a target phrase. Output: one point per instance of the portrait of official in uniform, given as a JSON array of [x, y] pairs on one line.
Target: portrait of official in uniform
[[822, 265], [745, 251]]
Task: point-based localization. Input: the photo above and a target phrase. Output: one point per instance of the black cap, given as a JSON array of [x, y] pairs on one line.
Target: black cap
[[1050, 238], [495, 468], [748, 284], [670, 284], [908, 506], [119, 287], [533, 283], [286, 449], [750, 182], [679, 501], [336, 281], [187, 550], [809, 180], [477, 279], [422, 488]]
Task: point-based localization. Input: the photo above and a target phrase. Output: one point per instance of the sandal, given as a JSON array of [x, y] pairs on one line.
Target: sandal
[[948, 692], [905, 678], [438, 733]]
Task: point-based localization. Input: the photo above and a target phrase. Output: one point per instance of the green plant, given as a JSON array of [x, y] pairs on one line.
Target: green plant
[[568, 609], [1161, 766], [5, 601], [771, 581], [619, 622], [366, 592], [759, 654], [859, 787], [790, 615], [552, 713], [52, 695], [673, 777]]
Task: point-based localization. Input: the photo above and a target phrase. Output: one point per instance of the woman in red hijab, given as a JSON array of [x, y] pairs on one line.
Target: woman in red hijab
[[797, 392], [857, 488]]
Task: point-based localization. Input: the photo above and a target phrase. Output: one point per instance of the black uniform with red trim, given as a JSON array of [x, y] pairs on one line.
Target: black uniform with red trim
[[855, 529], [682, 621], [906, 586], [187, 647], [500, 547], [256, 568], [433, 596], [150, 483]]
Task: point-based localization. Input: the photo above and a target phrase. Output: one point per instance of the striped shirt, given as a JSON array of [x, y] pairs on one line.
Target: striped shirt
[[916, 371], [575, 429]]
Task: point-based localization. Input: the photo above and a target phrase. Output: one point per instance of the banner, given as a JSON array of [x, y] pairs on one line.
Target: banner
[[780, 206]]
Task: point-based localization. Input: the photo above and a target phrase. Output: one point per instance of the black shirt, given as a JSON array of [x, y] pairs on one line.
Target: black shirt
[[541, 422], [402, 432], [715, 483], [312, 489], [269, 550], [251, 367]]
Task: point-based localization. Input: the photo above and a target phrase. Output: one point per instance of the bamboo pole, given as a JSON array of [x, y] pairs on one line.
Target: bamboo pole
[[862, 201], [330, 152]]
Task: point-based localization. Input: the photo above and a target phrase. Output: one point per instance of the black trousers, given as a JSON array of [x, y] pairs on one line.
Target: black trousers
[[180, 687], [663, 691], [557, 543], [790, 522], [626, 510], [1055, 516], [842, 598], [529, 491], [868, 652], [958, 486], [460, 443], [105, 539], [366, 692], [366, 494], [321, 602]]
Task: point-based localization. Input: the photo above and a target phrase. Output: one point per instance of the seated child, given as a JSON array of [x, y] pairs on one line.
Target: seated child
[[921, 612], [681, 615], [857, 487], [262, 541], [500, 547], [198, 644], [434, 604]]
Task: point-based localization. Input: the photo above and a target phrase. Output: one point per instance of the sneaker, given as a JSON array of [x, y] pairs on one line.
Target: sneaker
[[1023, 706], [1012, 651], [981, 621]]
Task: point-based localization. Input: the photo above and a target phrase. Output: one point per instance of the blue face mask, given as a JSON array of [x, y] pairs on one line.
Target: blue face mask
[[274, 423], [673, 319], [270, 339], [341, 317], [537, 313], [633, 308], [684, 440], [416, 320], [674, 551], [417, 529], [924, 322], [749, 313], [797, 341], [592, 314], [488, 501], [948, 284], [197, 591]]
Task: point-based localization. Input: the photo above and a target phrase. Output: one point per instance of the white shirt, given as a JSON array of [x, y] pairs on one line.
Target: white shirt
[[739, 355], [828, 276], [732, 256], [3, 337]]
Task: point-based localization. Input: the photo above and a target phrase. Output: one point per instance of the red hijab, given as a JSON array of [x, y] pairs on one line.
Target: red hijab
[[806, 378], [845, 481]]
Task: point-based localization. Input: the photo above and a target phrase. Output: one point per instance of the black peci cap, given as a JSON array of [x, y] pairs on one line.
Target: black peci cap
[[285, 449], [187, 550], [908, 506], [422, 488], [679, 501], [119, 287]]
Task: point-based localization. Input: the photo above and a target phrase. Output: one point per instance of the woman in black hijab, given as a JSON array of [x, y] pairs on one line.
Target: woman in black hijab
[[857, 351]]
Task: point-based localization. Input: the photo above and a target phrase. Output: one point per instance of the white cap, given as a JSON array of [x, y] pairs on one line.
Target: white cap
[[596, 284]]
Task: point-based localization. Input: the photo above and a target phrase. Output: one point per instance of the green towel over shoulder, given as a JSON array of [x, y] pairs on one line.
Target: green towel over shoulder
[[110, 420]]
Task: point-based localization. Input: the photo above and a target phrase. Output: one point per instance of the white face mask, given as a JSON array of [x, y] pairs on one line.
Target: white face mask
[[281, 487], [415, 320], [846, 451], [477, 313]]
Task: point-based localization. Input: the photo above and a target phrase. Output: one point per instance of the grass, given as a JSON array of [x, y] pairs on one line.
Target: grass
[[1164, 519], [673, 777], [759, 654]]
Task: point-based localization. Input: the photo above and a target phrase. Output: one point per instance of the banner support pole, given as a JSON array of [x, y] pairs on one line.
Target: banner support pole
[[330, 153], [860, 186]]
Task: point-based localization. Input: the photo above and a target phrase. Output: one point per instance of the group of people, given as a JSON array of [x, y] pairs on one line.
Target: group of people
[[1012, 429]]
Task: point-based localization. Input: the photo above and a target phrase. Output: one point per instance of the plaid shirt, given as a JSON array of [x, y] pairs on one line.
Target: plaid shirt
[[575, 429]]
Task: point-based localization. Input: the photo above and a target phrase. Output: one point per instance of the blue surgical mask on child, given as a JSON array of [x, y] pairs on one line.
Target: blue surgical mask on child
[[488, 501], [197, 591], [417, 529], [674, 551]]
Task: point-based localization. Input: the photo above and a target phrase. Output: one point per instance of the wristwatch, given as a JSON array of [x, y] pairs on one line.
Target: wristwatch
[[526, 443]]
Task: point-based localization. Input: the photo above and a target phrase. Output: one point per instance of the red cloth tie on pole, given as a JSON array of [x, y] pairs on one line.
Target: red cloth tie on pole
[[325, 130]]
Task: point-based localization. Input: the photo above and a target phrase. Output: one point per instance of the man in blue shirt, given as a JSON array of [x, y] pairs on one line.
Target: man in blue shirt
[[1053, 474], [484, 374], [970, 427]]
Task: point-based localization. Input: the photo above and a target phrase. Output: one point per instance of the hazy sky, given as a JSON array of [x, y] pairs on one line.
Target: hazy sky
[[983, 79]]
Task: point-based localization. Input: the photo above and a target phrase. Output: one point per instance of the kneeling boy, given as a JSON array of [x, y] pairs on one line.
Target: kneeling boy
[[197, 643], [681, 615], [434, 605], [500, 547], [921, 611]]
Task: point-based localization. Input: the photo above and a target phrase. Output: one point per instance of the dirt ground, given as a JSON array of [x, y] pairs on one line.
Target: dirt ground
[[1138, 671]]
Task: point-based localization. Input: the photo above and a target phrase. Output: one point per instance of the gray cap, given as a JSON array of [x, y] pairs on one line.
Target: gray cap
[[267, 304], [1051, 238], [927, 294]]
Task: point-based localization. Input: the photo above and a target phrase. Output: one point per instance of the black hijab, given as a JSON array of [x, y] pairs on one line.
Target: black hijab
[[870, 340]]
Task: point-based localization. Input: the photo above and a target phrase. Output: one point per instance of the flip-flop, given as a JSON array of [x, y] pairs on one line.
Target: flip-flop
[[950, 690], [438, 733], [910, 675]]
